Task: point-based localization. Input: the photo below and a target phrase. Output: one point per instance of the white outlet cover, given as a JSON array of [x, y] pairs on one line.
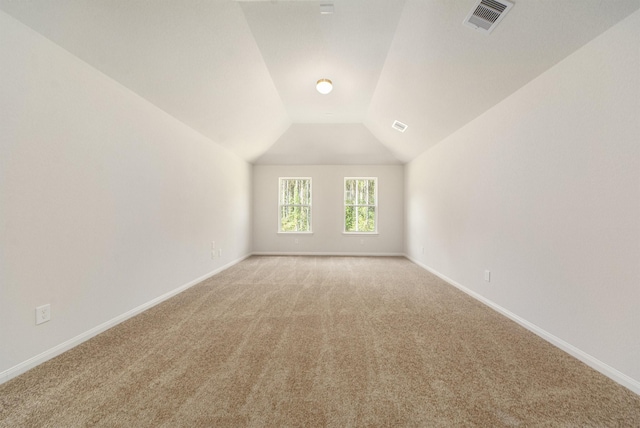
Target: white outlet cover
[[43, 314], [487, 275]]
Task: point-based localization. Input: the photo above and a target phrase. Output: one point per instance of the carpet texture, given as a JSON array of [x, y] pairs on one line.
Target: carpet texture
[[317, 341]]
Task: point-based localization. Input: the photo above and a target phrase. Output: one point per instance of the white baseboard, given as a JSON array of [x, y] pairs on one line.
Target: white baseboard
[[335, 254], [71, 343], [605, 369]]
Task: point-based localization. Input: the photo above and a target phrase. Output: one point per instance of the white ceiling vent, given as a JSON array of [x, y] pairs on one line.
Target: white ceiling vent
[[399, 126], [326, 9], [486, 14]]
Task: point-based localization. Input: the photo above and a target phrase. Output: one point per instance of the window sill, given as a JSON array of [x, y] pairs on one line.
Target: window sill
[[360, 233], [294, 233]]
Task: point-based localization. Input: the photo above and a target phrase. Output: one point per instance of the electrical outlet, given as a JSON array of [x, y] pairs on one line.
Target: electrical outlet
[[213, 254], [220, 252], [213, 245], [43, 313], [487, 275]]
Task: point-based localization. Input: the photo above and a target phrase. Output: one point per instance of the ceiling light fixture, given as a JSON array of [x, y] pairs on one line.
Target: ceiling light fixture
[[324, 86]]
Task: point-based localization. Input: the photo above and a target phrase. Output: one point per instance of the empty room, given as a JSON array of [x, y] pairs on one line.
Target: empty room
[[302, 213]]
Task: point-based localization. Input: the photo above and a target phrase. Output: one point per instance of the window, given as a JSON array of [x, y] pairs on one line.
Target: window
[[360, 204], [294, 207]]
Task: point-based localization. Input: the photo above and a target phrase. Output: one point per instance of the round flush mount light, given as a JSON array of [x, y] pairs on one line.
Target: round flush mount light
[[324, 86]]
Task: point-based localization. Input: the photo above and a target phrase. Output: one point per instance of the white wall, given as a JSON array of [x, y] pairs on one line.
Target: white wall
[[544, 191], [327, 217], [106, 202]]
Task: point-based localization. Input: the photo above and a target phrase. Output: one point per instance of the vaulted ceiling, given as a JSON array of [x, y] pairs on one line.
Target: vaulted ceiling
[[243, 72]]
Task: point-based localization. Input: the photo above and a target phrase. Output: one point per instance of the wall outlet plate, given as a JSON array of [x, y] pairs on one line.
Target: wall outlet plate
[[487, 275], [43, 313]]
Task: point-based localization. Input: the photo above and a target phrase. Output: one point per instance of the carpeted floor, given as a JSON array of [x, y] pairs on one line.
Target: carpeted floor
[[317, 341]]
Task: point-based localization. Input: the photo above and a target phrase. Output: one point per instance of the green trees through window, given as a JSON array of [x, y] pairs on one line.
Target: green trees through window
[[295, 205], [360, 203]]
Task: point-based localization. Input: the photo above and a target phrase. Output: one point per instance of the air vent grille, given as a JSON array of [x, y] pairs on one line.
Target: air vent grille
[[326, 9], [399, 126], [486, 14]]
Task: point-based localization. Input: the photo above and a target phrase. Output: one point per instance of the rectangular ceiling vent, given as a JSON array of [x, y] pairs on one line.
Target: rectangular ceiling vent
[[486, 14], [399, 126], [326, 9]]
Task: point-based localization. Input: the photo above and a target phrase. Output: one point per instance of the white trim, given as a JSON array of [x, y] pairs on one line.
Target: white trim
[[324, 253], [83, 337], [360, 233], [294, 233], [605, 369]]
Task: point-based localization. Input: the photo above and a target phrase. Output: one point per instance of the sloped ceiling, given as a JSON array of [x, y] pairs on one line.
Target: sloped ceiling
[[243, 73]]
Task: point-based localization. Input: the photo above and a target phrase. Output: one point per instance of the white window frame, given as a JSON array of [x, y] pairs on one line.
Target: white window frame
[[310, 205], [344, 208]]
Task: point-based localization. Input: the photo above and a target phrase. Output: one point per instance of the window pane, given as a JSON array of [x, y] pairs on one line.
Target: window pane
[[367, 194], [350, 191], [371, 195], [295, 192], [361, 194], [306, 192], [295, 219], [283, 186], [359, 219], [366, 219], [350, 219]]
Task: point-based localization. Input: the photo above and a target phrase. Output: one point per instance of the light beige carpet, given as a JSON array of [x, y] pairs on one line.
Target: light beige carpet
[[317, 341]]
